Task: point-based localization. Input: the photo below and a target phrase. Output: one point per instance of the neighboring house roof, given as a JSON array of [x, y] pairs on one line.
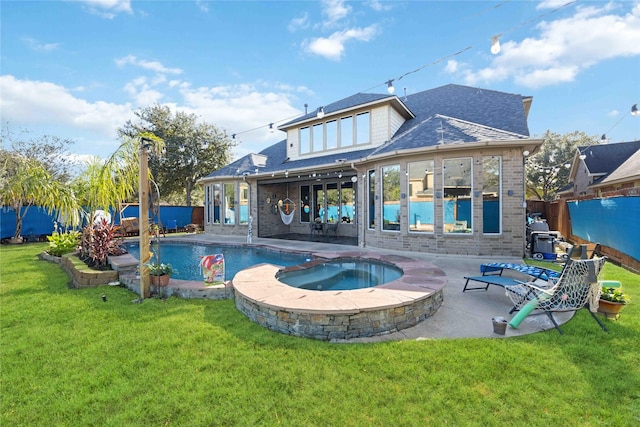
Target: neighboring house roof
[[605, 158], [444, 115], [627, 171]]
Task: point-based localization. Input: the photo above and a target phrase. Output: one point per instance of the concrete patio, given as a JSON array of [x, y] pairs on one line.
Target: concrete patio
[[461, 315]]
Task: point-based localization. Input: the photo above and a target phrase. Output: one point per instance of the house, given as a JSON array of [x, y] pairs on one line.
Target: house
[[438, 171], [605, 169]]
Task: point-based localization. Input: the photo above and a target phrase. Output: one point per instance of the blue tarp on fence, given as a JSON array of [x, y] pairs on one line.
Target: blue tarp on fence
[[38, 223], [613, 222]]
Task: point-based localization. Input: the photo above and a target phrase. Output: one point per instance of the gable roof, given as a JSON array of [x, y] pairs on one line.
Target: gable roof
[[629, 170], [605, 158]]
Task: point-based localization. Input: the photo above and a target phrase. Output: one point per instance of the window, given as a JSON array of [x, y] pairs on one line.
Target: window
[[346, 131], [363, 121], [229, 204], [318, 141], [207, 204], [305, 140], [216, 203], [333, 203], [391, 198], [457, 204], [491, 189], [421, 203], [331, 129], [305, 202], [348, 202], [244, 203], [318, 198], [372, 199]]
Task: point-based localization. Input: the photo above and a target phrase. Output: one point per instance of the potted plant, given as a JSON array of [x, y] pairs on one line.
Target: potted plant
[[612, 301], [160, 273]]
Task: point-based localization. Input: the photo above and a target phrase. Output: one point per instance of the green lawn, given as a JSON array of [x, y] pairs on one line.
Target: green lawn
[[70, 359]]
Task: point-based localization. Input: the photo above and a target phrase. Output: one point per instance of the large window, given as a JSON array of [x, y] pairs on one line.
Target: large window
[[346, 131], [216, 203], [244, 203], [363, 124], [372, 199], [343, 132], [229, 204], [333, 202], [305, 140], [421, 203], [318, 141], [305, 201], [348, 202], [391, 198], [491, 189], [457, 204], [318, 199], [331, 130], [208, 205]]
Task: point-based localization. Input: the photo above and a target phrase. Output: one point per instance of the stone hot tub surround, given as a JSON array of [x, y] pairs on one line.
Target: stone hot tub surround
[[335, 315]]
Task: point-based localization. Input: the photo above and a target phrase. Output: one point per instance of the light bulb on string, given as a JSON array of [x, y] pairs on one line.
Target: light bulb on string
[[320, 113], [390, 87], [495, 44]]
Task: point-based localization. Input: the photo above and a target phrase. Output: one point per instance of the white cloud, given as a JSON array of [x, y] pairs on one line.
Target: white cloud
[[203, 6], [452, 66], [147, 65], [245, 109], [379, 6], [34, 44], [613, 113], [332, 47], [300, 23], [564, 48], [35, 102], [108, 8], [334, 11]]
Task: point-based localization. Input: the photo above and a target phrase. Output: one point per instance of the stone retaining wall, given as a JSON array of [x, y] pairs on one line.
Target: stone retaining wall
[[344, 325], [82, 276]]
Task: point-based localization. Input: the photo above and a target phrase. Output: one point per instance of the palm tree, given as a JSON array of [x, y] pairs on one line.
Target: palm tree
[[26, 182]]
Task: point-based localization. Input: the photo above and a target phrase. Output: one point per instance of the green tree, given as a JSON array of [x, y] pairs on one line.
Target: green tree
[[27, 182], [193, 149], [548, 170], [107, 184]]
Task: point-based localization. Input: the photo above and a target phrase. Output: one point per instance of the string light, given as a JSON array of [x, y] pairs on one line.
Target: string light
[[634, 110], [390, 87], [495, 44], [495, 49]]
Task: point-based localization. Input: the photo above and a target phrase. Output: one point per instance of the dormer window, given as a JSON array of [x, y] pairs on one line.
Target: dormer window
[[336, 133]]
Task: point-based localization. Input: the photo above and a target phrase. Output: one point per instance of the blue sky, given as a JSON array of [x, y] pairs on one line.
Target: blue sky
[[78, 69]]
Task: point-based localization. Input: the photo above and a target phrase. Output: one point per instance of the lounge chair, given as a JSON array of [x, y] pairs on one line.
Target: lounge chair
[[576, 288]]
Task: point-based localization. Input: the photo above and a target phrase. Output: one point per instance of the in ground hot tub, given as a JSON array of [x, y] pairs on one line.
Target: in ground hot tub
[[343, 274], [341, 314]]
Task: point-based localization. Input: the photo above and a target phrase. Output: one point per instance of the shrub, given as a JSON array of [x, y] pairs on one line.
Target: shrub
[[63, 243]]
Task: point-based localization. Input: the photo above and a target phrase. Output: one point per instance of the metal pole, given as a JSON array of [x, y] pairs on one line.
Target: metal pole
[[144, 221]]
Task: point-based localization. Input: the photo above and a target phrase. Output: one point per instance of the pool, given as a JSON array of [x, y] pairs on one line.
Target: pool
[[342, 274], [185, 258]]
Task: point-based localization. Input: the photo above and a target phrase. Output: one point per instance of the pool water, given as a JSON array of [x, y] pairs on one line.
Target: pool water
[[185, 258], [341, 275]]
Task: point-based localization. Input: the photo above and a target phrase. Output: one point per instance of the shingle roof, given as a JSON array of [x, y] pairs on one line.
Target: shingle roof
[[343, 104], [450, 113], [605, 158]]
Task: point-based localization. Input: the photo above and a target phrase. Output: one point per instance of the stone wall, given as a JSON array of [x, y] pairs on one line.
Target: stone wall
[[340, 326]]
